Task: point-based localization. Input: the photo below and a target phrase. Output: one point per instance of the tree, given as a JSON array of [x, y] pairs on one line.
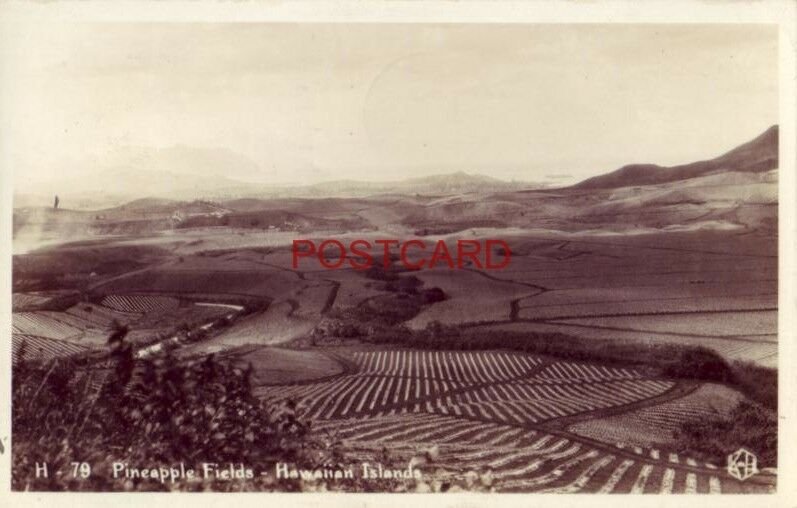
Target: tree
[[118, 332], [434, 295]]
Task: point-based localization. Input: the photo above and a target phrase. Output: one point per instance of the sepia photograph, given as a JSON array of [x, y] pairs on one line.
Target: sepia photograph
[[393, 257]]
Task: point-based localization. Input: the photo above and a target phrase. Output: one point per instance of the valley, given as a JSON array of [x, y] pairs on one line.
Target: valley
[[566, 370]]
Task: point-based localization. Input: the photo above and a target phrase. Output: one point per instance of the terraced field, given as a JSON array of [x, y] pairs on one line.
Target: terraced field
[[660, 422], [710, 289], [22, 300], [506, 413], [43, 325], [41, 348], [128, 303], [49, 333], [98, 315], [525, 460]]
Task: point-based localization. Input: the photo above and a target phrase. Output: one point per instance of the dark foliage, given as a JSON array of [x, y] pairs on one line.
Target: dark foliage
[[406, 284], [75, 265], [147, 414], [758, 383], [751, 425], [434, 295], [378, 272]]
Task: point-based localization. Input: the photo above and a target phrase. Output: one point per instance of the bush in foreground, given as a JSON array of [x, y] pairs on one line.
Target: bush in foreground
[[164, 413], [146, 414], [750, 425]]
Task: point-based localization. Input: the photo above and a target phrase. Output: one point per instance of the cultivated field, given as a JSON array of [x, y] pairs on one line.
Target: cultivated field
[[580, 268], [86, 326], [713, 289], [659, 423], [505, 415]]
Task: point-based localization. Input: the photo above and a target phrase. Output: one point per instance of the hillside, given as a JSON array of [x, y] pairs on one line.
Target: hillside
[[737, 190], [756, 156], [440, 184]]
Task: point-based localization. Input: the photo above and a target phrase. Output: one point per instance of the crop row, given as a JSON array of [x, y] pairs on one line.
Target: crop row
[[467, 367], [69, 319], [493, 386], [130, 303], [566, 371], [670, 418], [522, 403], [42, 348], [37, 323], [429, 429], [650, 307], [744, 350], [671, 457], [527, 460], [21, 300], [98, 315], [358, 394], [709, 401], [501, 402]]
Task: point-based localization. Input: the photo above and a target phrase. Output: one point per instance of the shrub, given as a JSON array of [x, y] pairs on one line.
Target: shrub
[[378, 272], [147, 414], [753, 424], [750, 425], [434, 295], [757, 382]]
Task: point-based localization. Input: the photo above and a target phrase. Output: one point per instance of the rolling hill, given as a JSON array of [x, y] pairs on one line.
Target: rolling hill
[[756, 156], [737, 190]]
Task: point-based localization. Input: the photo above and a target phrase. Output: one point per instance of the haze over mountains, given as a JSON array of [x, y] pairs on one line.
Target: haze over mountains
[[737, 190], [222, 175], [117, 186]]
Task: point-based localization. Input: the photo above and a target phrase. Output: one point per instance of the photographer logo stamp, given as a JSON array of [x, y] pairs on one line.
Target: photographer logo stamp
[[742, 464]]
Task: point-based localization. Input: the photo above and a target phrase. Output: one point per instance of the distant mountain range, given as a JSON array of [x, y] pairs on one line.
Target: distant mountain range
[[115, 187], [756, 156], [735, 191], [458, 182]]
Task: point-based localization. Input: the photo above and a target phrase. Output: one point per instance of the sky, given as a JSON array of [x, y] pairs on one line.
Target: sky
[[306, 103]]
